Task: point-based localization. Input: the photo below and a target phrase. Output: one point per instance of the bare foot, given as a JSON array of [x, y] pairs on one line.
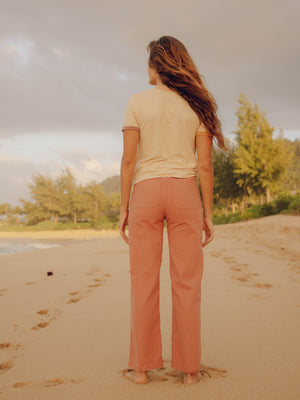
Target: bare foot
[[136, 376], [193, 377]]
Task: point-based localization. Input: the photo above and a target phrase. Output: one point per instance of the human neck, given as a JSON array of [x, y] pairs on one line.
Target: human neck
[[160, 85]]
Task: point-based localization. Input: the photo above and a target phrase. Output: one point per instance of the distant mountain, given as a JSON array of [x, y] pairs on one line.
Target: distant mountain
[[111, 184]]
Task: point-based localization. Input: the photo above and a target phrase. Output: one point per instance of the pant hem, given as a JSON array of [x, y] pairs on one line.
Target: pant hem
[[146, 368], [190, 370]]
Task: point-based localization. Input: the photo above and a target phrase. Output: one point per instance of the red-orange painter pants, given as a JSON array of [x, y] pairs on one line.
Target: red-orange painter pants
[[178, 200]]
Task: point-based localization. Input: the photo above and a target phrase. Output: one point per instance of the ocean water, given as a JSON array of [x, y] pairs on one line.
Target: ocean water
[[13, 246]]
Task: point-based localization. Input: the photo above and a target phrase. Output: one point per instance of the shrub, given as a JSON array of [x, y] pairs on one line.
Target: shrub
[[104, 222], [258, 211], [282, 202], [221, 219], [44, 226], [253, 211], [267, 209], [294, 206], [236, 217]]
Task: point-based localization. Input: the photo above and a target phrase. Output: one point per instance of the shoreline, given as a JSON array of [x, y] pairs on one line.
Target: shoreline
[[86, 234], [82, 234]]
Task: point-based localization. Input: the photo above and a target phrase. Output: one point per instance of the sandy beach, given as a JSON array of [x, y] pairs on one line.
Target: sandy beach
[[78, 234], [66, 336]]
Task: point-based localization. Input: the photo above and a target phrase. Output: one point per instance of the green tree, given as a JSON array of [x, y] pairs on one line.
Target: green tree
[[96, 200], [71, 199], [4, 210], [113, 206], [260, 162], [226, 189], [34, 212], [45, 191], [276, 164], [292, 179], [13, 215]]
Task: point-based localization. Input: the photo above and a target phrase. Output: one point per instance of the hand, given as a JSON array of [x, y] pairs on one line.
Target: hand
[[122, 225], [208, 229]]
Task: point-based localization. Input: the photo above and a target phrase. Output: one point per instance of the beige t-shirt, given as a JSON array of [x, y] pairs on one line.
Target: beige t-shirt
[[167, 126]]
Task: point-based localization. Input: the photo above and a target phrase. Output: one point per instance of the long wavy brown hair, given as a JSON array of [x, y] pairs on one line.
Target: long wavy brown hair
[[176, 69]]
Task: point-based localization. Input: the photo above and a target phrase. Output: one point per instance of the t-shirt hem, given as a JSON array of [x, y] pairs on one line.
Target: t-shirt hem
[[163, 176], [127, 127]]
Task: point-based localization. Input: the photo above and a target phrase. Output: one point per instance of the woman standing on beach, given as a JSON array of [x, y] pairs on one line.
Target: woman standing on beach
[[163, 129]]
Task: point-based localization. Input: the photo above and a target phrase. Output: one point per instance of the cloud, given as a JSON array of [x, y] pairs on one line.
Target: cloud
[[16, 173], [59, 52], [68, 67], [71, 66], [94, 170], [19, 49]]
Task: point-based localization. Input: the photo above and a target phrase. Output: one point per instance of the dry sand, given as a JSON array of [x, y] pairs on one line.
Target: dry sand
[[66, 336]]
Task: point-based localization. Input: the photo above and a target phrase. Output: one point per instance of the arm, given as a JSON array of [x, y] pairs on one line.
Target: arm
[[131, 137], [205, 171], [130, 143]]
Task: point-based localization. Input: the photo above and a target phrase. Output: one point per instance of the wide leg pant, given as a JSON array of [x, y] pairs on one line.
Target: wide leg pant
[[178, 200]]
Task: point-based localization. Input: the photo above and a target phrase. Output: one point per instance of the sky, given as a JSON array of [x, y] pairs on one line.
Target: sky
[[68, 67]]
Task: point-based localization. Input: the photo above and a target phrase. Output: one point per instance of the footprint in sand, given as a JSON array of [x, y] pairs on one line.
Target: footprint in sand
[[154, 375], [247, 279], [46, 383], [50, 317], [205, 371], [79, 295], [229, 259], [263, 285], [43, 312], [85, 291], [5, 345], [242, 278], [74, 300], [40, 325], [10, 346], [215, 254], [235, 268], [99, 281], [162, 374], [212, 372], [93, 271], [6, 365]]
